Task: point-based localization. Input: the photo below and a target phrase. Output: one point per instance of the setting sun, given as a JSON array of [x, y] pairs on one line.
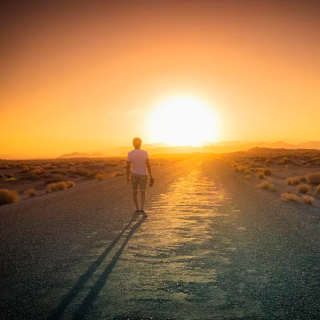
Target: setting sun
[[183, 121]]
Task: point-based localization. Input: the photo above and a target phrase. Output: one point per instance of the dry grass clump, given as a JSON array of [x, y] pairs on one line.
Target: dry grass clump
[[25, 169], [261, 175], [308, 199], [100, 176], [283, 161], [80, 172], [292, 181], [62, 185], [30, 192], [313, 178], [239, 168], [4, 166], [248, 176], [10, 177], [36, 171], [290, 197], [317, 191], [8, 196], [265, 185], [112, 164], [117, 174], [269, 161], [267, 172], [70, 184], [303, 188], [55, 178], [57, 186]]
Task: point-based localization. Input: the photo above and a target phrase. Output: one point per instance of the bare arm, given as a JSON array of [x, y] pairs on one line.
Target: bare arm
[[128, 171], [149, 168]]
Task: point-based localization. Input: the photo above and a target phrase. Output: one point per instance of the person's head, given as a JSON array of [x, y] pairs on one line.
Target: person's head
[[137, 143]]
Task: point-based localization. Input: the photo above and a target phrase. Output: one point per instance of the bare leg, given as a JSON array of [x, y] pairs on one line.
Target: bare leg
[[135, 199], [143, 197]]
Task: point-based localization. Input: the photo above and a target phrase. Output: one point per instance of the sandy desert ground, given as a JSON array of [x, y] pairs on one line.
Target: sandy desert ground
[[215, 244]]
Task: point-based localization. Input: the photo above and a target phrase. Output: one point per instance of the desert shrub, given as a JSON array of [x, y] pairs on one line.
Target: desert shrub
[[248, 176], [261, 175], [55, 171], [236, 168], [313, 178], [81, 172], [317, 191], [10, 177], [30, 192], [70, 184], [308, 199], [100, 176], [35, 171], [290, 197], [253, 165], [32, 177], [112, 164], [25, 169], [1, 176], [4, 166], [8, 196], [117, 174], [240, 168], [55, 178], [303, 179], [267, 172], [283, 161], [265, 185], [303, 188], [62, 185], [292, 181]]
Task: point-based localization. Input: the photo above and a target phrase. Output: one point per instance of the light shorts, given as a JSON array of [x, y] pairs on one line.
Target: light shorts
[[139, 181]]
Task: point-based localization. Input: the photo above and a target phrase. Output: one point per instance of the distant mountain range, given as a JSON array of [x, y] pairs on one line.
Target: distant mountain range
[[19, 156], [158, 148], [219, 147], [82, 155]]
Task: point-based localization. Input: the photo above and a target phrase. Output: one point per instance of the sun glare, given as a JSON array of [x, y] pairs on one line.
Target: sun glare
[[183, 121]]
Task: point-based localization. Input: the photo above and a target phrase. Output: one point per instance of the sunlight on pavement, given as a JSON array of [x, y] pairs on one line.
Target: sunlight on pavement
[[175, 264], [169, 268]]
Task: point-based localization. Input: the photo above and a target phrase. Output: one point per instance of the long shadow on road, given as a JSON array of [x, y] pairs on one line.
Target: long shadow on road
[[76, 289]]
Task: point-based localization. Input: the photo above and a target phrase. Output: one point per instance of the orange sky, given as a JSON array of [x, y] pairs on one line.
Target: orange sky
[[86, 76]]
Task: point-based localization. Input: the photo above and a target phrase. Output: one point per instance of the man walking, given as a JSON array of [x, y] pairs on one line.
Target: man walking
[[139, 160]]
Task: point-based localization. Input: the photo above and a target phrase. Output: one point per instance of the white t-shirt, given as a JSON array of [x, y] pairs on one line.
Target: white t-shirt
[[138, 159]]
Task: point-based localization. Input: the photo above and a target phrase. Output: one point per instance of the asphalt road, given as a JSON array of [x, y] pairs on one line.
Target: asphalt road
[[213, 247]]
